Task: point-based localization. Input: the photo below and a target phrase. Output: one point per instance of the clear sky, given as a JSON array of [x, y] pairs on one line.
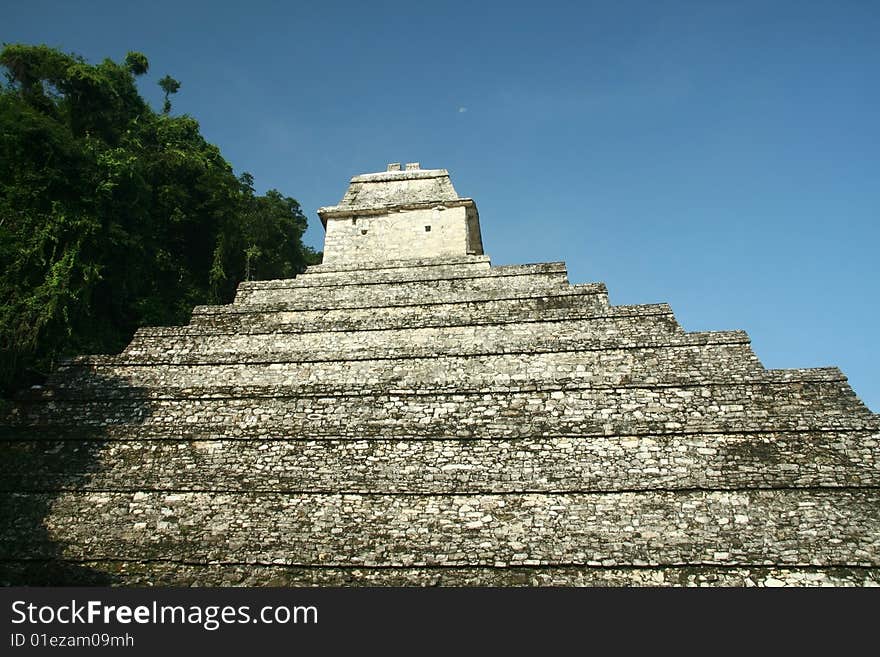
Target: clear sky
[[721, 156]]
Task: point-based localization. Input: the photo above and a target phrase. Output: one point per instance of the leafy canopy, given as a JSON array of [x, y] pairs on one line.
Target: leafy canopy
[[114, 216]]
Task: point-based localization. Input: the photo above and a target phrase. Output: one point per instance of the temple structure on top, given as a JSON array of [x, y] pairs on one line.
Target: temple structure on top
[[400, 214], [407, 414]]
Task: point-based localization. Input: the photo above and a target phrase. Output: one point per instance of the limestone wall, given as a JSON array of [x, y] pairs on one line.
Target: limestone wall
[[574, 303], [606, 333], [784, 527], [414, 233], [152, 573], [484, 414], [667, 461], [669, 365], [508, 283]]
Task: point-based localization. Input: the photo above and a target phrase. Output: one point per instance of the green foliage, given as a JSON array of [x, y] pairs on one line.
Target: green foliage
[[169, 86], [113, 216], [137, 63]]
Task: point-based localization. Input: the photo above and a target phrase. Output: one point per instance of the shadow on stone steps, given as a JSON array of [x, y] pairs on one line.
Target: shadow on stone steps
[[44, 453]]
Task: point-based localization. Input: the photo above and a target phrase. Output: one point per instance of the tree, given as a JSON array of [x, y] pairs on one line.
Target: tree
[[137, 63], [114, 216], [169, 86]]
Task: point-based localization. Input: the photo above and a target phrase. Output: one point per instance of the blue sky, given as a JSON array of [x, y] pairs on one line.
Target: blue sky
[[721, 156]]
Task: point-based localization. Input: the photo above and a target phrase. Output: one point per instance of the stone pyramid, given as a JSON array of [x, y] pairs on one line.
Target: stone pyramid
[[405, 413]]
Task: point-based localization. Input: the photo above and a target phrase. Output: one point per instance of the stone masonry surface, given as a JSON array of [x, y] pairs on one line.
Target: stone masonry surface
[[414, 416], [413, 213]]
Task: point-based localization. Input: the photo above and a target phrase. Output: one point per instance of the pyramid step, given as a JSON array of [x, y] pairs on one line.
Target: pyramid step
[[674, 364], [576, 303], [537, 464], [499, 282], [346, 270], [597, 333], [429, 271], [427, 274], [305, 302], [147, 573], [789, 402], [313, 279], [794, 527]]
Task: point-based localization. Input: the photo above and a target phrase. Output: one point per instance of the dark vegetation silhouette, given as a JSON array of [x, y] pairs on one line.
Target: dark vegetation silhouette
[[115, 216]]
